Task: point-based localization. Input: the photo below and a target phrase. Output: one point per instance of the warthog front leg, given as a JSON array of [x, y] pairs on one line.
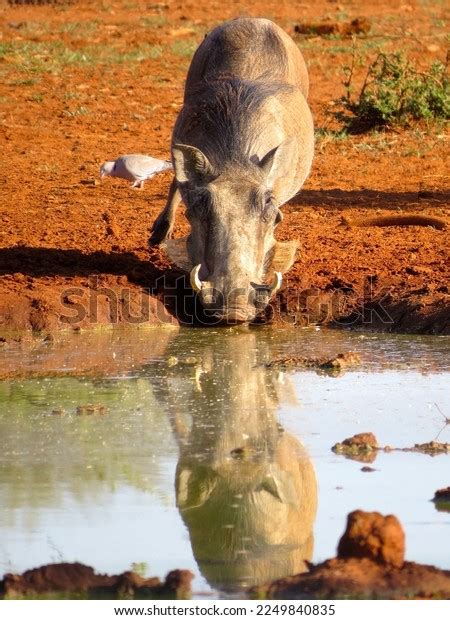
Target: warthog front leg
[[163, 225]]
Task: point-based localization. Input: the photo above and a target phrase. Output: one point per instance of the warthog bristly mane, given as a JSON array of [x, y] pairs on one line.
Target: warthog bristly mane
[[227, 113]]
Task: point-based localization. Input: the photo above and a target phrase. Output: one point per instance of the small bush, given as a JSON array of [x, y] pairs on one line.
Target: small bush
[[394, 92]]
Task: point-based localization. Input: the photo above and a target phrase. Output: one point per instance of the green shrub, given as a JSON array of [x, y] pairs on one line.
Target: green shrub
[[394, 92]]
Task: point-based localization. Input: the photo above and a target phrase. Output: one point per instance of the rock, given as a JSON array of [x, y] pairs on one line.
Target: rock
[[442, 494], [441, 500], [371, 535]]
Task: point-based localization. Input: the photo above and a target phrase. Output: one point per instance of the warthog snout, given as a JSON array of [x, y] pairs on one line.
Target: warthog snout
[[235, 305]]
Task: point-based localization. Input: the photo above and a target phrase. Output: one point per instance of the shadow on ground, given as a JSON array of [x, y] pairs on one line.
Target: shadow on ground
[[369, 198]]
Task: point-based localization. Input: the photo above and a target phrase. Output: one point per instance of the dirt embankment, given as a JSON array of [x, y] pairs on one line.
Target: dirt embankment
[[370, 564], [81, 581], [82, 83]]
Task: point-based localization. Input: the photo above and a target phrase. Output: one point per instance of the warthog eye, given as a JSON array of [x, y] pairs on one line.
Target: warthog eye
[[198, 203], [268, 207]]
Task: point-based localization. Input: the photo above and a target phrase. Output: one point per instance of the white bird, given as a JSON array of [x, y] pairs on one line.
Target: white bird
[[136, 168]]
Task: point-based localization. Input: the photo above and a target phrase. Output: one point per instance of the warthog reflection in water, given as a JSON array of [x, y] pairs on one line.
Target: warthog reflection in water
[[245, 488]]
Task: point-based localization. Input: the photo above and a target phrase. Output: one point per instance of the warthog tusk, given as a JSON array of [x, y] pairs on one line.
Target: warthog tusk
[[276, 282], [196, 283]]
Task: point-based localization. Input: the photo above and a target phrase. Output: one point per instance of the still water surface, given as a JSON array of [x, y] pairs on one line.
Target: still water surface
[[208, 460]]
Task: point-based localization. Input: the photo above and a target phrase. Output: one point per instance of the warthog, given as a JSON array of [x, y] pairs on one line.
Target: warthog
[[242, 146]]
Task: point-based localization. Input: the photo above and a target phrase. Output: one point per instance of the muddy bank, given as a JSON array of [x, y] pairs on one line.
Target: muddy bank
[[44, 290], [55, 302], [370, 564], [80, 581], [161, 296]]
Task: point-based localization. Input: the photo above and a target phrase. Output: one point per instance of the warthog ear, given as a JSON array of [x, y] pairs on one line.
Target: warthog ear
[[191, 165], [281, 257], [176, 250], [278, 162]]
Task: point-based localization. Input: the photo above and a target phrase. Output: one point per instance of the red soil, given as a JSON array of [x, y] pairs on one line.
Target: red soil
[[64, 112]]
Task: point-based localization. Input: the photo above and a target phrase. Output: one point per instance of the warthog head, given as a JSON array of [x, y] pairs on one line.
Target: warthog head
[[234, 262]]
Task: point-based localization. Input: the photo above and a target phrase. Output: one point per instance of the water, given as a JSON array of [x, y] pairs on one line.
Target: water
[[206, 459]]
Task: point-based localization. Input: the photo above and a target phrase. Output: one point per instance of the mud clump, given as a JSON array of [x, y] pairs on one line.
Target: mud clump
[[82, 580], [91, 409], [362, 441], [370, 565], [341, 361], [335, 364], [441, 500], [360, 25], [370, 535], [431, 447], [362, 447]]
